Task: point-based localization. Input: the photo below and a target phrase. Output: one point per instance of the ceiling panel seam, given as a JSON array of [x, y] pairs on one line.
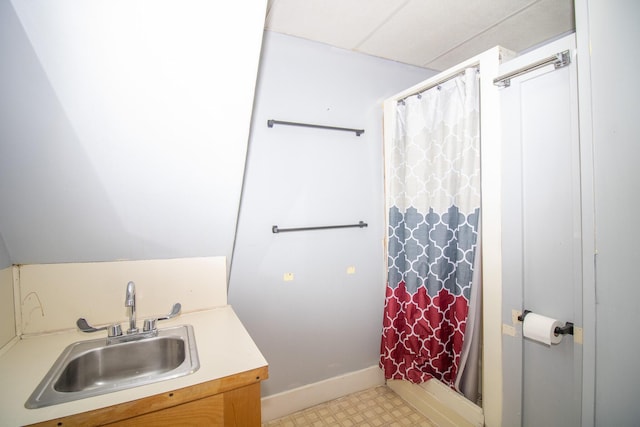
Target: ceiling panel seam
[[489, 28], [382, 23]]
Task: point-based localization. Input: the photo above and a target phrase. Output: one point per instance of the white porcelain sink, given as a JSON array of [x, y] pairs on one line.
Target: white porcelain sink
[[91, 368]]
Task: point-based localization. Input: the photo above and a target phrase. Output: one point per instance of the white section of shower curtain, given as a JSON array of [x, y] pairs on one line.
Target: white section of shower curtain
[[435, 158]]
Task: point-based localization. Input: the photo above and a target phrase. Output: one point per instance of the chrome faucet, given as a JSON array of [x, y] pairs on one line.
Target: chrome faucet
[[114, 331], [130, 301]]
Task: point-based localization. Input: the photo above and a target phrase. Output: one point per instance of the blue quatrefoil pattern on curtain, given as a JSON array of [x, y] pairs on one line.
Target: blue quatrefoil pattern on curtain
[[432, 250], [433, 208]]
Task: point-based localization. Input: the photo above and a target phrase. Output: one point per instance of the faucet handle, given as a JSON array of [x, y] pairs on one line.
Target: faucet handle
[[151, 324], [114, 330], [175, 310], [84, 326]]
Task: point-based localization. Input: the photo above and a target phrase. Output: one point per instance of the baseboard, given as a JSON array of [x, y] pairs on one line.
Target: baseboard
[[290, 401], [439, 403]]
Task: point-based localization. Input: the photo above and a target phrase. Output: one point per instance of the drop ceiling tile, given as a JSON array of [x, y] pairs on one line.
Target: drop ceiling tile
[[426, 29], [340, 23], [543, 21]]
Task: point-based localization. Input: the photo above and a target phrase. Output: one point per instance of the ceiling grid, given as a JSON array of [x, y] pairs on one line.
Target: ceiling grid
[[426, 33]]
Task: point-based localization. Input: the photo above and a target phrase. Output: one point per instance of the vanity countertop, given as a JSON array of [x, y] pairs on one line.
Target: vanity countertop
[[224, 348]]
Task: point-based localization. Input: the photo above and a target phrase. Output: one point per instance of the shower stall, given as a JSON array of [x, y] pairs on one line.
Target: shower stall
[[483, 201]]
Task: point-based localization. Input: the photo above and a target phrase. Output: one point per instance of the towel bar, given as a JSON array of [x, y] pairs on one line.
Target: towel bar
[[275, 228]]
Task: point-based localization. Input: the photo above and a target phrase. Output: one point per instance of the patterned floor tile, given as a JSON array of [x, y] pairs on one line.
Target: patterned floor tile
[[375, 407]]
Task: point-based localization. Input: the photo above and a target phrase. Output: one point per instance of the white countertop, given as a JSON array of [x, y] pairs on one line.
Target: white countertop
[[224, 348]]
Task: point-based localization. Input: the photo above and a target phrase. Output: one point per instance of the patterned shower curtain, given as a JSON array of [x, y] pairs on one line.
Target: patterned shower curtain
[[433, 201]]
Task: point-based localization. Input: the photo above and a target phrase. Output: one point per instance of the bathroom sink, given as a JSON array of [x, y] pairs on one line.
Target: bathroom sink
[[91, 368]]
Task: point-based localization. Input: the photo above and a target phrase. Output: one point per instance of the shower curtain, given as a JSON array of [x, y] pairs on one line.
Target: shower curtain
[[433, 202]]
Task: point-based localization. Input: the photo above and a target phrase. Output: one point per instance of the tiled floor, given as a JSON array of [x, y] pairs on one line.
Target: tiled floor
[[375, 407]]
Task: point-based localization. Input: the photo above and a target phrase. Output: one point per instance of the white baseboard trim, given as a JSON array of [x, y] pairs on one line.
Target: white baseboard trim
[[290, 401], [439, 403]]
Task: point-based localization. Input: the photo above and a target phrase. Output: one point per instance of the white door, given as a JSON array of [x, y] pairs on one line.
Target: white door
[[541, 238]]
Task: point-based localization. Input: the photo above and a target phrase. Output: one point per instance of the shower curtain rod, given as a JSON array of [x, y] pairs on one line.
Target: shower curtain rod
[[559, 60], [439, 83]]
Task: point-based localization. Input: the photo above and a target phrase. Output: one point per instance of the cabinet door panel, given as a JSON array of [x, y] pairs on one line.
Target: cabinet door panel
[[203, 412], [242, 407]]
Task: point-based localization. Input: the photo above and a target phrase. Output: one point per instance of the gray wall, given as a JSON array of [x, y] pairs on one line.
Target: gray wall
[[325, 322], [615, 101], [123, 127], [5, 259]]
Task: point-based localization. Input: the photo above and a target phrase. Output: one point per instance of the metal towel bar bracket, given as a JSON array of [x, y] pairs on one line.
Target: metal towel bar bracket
[[275, 228]]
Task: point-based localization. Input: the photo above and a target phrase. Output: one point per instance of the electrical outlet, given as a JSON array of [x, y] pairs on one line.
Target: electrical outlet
[[288, 277], [351, 270]]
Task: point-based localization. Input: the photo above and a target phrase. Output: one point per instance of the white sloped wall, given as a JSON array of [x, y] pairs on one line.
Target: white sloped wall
[[124, 126]]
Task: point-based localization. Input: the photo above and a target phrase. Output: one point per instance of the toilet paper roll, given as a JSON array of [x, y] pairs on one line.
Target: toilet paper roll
[[540, 328]]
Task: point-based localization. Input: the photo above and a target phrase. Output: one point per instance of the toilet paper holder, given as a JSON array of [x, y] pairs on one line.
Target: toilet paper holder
[[567, 329]]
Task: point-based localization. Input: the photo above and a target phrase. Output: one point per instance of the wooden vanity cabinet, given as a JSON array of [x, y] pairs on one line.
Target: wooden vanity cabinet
[[232, 401]]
